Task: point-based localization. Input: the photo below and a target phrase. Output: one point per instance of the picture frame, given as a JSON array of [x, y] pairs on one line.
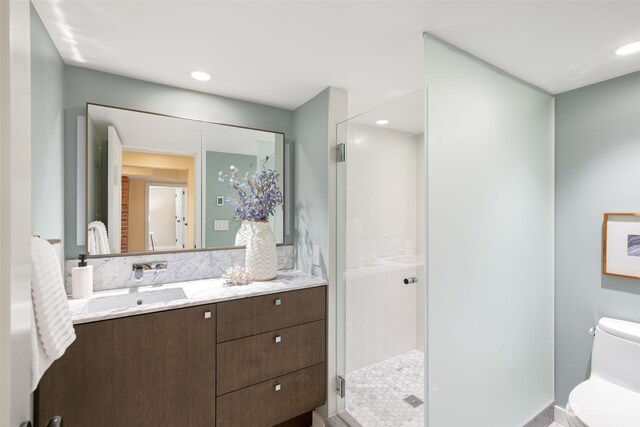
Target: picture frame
[[621, 245]]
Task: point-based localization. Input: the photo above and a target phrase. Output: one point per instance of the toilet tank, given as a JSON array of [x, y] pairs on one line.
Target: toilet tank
[[616, 353]]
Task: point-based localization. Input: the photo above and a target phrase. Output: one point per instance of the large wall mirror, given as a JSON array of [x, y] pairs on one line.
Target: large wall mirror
[[152, 180]]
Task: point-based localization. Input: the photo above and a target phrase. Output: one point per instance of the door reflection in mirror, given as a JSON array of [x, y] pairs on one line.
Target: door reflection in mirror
[[155, 170], [167, 211]]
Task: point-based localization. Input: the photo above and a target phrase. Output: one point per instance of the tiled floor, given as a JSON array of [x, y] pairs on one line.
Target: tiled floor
[[376, 393]]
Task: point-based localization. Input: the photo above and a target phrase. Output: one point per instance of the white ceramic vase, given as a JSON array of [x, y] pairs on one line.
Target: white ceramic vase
[[243, 233], [261, 260]]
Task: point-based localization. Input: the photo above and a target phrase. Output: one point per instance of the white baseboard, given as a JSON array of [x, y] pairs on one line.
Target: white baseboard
[[560, 416]]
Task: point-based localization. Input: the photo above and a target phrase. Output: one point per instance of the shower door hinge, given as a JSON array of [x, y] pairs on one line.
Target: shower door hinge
[[341, 385], [341, 150]]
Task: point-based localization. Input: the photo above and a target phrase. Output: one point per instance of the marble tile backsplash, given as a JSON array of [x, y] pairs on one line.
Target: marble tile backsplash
[[116, 272]]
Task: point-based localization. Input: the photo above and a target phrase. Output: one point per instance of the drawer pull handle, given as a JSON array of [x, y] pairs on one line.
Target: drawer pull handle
[[278, 339], [277, 387], [207, 314], [278, 301]]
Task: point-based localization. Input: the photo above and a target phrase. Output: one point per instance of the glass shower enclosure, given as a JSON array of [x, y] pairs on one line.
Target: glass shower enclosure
[[381, 265], [445, 226]]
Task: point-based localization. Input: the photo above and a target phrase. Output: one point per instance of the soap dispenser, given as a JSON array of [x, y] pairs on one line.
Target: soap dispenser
[[82, 279]]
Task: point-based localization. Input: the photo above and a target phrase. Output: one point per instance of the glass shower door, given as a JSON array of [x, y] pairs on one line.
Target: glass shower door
[[380, 265]]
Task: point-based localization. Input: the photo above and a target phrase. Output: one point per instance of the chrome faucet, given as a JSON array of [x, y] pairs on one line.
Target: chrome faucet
[[139, 270]]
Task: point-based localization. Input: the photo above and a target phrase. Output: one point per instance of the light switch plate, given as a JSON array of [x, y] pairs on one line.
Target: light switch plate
[[221, 225], [316, 254]]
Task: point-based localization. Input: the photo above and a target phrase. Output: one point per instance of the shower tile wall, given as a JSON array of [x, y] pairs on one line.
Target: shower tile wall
[[383, 241]]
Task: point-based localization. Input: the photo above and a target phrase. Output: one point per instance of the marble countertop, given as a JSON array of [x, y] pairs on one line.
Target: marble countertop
[[197, 292]]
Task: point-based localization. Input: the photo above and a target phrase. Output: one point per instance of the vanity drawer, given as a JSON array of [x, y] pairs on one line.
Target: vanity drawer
[[265, 404], [250, 360], [251, 316]]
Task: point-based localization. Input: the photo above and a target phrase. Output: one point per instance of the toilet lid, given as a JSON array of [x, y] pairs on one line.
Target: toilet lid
[[599, 403]]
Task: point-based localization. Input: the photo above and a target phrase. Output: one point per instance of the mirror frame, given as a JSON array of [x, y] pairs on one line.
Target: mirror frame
[[283, 176]]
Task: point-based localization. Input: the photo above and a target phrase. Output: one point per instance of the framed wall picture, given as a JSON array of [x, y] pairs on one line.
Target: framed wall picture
[[621, 245]]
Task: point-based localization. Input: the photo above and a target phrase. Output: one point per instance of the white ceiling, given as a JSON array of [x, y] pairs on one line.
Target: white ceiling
[[230, 139], [162, 134], [405, 114], [283, 53], [148, 132]]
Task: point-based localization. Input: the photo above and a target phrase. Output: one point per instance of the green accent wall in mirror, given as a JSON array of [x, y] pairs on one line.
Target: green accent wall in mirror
[[216, 162]]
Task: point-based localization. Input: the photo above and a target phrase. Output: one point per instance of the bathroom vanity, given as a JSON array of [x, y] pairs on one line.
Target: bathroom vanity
[[225, 356]]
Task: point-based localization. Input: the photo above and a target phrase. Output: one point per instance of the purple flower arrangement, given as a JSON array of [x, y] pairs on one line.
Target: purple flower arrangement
[[254, 197]]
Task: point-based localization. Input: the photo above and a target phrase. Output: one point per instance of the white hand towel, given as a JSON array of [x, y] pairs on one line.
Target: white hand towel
[[91, 241], [98, 239], [52, 331]]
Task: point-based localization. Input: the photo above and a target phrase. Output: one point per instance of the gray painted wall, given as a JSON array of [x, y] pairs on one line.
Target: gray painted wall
[[597, 171], [311, 178], [83, 85], [47, 146]]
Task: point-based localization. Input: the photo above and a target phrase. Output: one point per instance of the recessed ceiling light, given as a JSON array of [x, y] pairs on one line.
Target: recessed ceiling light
[[382, 122], [200, 75], [628, 49]]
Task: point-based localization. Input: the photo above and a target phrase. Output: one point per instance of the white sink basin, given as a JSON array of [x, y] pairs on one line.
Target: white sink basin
[[133, 299]]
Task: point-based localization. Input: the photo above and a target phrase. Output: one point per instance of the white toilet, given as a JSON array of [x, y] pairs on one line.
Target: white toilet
[[611, 395]]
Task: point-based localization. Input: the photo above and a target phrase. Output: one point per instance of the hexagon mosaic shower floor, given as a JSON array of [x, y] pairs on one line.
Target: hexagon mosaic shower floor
[[376, 394]]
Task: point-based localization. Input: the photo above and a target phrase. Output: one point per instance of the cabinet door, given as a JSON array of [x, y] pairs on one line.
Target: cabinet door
[[165, 368], [78, 385], [152, 369]]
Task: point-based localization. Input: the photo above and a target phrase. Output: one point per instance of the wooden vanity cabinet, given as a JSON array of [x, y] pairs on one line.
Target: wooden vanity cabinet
[[267, 354], [146, 370]]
